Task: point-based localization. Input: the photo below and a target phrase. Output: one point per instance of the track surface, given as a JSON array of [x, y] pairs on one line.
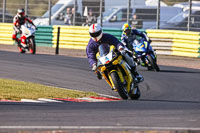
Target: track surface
[[170, 98]]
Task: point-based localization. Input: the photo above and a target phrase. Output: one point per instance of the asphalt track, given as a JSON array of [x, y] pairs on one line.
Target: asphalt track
[[170, 98]]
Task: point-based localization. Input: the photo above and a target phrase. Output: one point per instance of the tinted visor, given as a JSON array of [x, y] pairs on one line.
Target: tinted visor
[[21, 14], [96, 34], [127, 31]]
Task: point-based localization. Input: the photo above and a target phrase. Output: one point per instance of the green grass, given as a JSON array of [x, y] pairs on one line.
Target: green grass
[[17, 90]]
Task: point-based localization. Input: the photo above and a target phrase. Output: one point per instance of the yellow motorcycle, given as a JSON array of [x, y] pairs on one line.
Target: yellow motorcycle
[[117, 73]]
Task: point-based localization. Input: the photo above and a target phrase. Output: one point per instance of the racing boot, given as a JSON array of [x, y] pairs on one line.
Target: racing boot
[[139, 78]]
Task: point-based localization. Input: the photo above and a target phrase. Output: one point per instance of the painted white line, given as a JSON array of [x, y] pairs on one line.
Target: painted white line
[[92, 99], [31, 101], [108, 96], [100, 127], [48, 100]]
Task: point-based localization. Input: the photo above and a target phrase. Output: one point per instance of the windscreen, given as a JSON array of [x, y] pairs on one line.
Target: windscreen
[[107, 13], [180, 17], [104, 49]]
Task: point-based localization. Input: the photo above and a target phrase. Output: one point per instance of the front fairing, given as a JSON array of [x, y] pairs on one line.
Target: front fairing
[[28, 30], [105, 55], [142, 48]]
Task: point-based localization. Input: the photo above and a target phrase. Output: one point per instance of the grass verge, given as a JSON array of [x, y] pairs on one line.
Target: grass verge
[[17, 90]]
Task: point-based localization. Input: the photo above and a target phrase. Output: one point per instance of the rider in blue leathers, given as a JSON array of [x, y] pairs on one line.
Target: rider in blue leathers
[[98, 38], [128, 37]]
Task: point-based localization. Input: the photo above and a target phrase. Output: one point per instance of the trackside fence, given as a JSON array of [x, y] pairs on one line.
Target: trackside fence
[[6, 32], [174, 42], [43, 35], [116, 32], [165, 42], [75, 37]]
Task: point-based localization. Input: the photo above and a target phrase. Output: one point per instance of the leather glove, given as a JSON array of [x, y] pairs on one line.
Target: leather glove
[[94, 67], [35, 27], [18, 31], [121, 50]]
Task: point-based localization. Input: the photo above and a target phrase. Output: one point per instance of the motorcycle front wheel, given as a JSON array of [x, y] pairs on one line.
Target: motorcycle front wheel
[[21, 50], [32, 46], [135, 93], [118, 85], [153, 63]]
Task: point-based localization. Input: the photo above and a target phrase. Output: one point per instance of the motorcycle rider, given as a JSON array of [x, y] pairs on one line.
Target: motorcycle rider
[[98, 38], [19, 19], [128, 37]]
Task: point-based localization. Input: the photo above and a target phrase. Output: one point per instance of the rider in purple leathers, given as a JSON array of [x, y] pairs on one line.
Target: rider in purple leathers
[[98, 38]]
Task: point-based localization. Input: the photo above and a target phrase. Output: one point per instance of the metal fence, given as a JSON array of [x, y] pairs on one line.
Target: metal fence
[[141, 14]]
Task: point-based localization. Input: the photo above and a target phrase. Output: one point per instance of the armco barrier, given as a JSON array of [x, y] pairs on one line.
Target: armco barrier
[[6, 31], [43, 35], [183, 43], [75, 37], [115, 32]]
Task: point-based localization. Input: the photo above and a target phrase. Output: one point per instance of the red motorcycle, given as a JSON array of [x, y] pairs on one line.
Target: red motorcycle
[[27, 39]]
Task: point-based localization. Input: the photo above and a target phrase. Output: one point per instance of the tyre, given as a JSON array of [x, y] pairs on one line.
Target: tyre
[[153, 63], [118, 85], [32, 46], [135, 93], [21, 50]]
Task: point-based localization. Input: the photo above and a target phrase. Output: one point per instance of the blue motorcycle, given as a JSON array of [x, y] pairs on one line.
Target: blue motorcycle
[[145, 55]]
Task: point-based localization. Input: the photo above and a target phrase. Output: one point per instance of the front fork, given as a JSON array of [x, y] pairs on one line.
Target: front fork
[[108, 78], [126, 79]]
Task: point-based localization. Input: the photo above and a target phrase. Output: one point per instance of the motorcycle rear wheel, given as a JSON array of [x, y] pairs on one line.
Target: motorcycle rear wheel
[[119, 86], [32, 46], [153, 64]]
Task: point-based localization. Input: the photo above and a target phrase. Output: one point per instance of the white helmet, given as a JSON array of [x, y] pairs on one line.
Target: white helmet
[[95, 31], [20, 12]]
